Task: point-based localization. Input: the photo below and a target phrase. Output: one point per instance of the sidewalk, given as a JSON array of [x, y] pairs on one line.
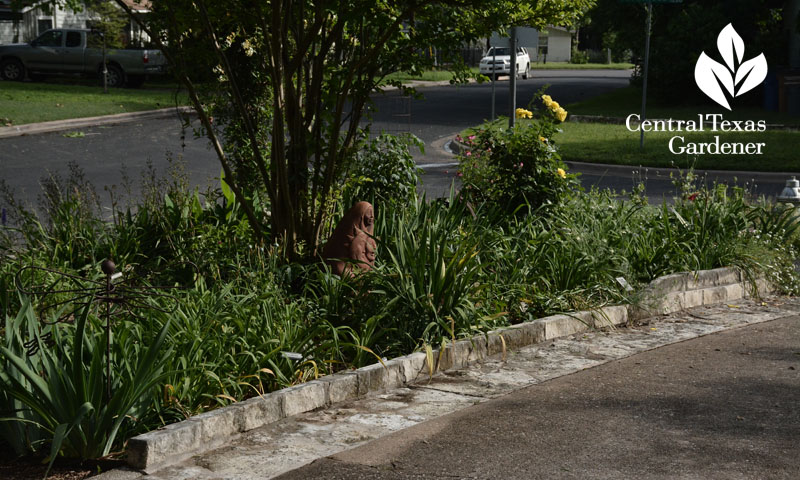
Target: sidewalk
[[723, 405]]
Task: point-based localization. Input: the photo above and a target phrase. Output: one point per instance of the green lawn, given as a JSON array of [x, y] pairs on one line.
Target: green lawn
[[614, 144], [624, 101], [426, 76], [22, 103], [580, 66], [439, 75]]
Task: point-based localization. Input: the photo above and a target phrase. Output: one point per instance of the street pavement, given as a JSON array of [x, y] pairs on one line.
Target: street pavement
[[104, 151], [108, 153], [709, 392]]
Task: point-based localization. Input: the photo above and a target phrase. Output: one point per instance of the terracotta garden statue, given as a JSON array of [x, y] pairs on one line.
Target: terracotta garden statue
[[352, 239]]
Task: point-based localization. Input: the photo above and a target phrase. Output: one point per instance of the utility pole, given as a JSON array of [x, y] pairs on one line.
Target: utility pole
[[512, 84], [646, 65]]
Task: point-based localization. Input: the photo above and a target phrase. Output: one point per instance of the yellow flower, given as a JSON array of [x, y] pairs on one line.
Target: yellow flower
[[547, 100], [522, 113], [554, 106], [542, 139], [560, 114], [561, 173]]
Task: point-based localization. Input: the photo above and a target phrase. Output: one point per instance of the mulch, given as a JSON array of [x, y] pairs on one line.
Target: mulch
[[33, 468]]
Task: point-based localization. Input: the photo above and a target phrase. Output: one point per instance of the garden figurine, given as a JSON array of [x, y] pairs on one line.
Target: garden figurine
[[352, 242]]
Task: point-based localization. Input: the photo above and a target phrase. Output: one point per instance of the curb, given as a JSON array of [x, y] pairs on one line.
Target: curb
[[59, 125], [157, 449]]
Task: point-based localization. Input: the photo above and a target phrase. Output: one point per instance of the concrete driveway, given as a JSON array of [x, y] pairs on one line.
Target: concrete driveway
[[723, 406]]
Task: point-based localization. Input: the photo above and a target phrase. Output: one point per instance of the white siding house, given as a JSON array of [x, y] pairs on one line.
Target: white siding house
[[34, 18], [556, 43]]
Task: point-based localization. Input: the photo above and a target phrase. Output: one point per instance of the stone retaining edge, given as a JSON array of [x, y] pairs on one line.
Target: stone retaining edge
[[668, 294]]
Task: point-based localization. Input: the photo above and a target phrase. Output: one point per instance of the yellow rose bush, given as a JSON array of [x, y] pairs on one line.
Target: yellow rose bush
[[517, 167]]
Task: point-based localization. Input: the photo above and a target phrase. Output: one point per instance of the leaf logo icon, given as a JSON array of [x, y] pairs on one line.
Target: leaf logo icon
[[735, 77]]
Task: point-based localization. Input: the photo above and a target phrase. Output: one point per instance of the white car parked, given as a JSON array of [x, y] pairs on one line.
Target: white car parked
[[500, 64]]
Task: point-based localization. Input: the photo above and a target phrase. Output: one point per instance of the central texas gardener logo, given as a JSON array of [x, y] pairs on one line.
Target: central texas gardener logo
[[735, 77]]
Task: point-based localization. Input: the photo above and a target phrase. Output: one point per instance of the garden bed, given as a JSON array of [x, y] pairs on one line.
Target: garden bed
[[247, 321]]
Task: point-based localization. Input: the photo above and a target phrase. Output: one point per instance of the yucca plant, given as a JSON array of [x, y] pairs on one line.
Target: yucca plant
[[61, 389]]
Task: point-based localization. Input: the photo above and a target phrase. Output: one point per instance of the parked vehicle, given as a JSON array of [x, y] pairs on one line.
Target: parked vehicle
[[497, 61], [78, 51]]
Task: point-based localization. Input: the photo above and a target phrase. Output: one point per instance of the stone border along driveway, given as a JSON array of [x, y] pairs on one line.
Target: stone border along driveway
[[174, 443]]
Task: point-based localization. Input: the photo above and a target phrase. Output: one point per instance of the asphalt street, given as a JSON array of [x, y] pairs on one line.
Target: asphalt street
[[722, 406], [108, 154], [103, 152]]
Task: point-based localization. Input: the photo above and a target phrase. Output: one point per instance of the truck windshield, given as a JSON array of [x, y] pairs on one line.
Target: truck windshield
[[499, 51]]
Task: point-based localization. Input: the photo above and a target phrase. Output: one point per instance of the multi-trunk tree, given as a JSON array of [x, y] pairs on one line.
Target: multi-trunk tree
[[289, 81]]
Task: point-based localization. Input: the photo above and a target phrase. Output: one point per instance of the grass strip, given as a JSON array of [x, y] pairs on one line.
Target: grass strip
[[625, 101], [615, 144], [440, 75], [580, 66], [22, 103]]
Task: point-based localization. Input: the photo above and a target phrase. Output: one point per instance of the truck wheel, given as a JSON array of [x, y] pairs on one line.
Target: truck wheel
[[526, 73], [13, 70], [116, 77]]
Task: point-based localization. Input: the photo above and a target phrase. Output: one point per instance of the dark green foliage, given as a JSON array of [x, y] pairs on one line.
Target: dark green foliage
[[384, 172], [445, 269], [681, 31], [55, 398]]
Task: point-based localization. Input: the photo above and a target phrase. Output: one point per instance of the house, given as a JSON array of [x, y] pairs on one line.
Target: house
[[35, 17], [555, 45]]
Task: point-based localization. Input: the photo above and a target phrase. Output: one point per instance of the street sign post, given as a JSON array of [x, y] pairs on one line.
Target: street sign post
[[647, 57], [527, 37]]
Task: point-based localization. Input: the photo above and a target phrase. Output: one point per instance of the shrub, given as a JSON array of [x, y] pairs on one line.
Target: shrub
[[384, 171], [517, 167], [579, 56]]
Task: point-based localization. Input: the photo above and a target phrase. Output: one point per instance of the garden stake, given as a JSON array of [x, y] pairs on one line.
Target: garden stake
[[82, 292]]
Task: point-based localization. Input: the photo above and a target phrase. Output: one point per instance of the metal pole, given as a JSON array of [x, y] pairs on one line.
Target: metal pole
[[108, 338], [494, 78], [646, 65], [512, 84], [105, 65]]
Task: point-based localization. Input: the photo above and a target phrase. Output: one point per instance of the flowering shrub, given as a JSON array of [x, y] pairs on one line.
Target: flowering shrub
[[519, 166]]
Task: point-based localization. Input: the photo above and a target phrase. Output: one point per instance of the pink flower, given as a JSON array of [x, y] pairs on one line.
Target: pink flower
[[469, 154], [471, 137], [520, 164], [459, 174]]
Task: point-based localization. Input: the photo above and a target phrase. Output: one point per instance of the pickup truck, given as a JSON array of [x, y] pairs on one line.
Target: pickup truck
[[78, 51]]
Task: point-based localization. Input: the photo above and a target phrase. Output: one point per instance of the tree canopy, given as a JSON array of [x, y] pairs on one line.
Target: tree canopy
[[281, 86], [680, 32]]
